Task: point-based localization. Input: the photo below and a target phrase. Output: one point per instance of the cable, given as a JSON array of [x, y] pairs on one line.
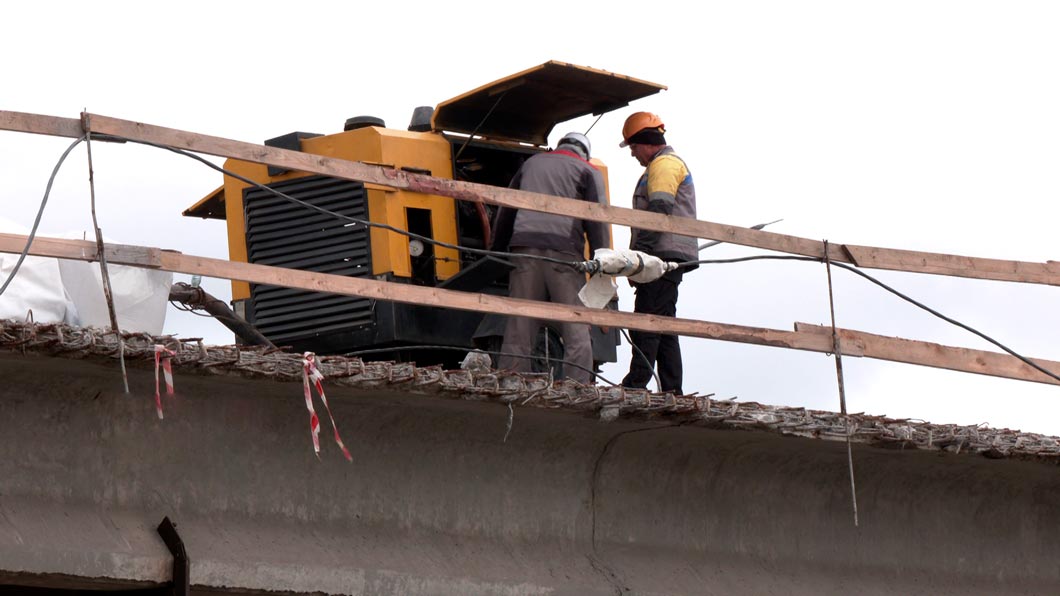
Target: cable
[[750, 258], [912, 301], [492, 352], [40, 213], [651, 365]]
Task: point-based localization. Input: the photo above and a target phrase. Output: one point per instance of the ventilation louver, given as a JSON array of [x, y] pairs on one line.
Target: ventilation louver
[[282, 233]]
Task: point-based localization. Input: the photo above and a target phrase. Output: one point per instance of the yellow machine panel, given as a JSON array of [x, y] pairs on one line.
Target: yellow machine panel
[[414, 151]]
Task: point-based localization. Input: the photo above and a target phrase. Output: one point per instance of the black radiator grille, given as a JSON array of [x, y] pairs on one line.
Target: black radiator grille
[[285, 234]]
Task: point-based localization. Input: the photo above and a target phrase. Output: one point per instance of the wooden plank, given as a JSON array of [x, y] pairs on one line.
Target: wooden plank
[[848, 346], [83, 250], [940, 264], [876, 258], [38, 124], [485, 303], [813, 338], [896, 349], [427, 296], [467, 191]]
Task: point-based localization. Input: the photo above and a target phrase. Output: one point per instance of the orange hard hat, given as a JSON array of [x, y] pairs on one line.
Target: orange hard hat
[[637, 122]]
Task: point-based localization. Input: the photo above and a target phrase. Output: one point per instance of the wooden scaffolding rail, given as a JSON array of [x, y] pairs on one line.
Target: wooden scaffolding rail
[[811, 338], [1047, 273], [804, 337]]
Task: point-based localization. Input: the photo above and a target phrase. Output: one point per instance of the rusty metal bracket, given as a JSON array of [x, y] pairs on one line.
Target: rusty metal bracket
[[181, 565]]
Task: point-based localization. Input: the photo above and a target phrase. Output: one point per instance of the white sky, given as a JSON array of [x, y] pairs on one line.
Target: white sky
[[924, 125]]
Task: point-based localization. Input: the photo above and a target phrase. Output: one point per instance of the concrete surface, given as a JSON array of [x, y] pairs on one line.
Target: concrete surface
[[435, 502]]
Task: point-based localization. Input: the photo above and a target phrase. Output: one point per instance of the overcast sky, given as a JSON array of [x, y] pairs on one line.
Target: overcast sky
[[923, 125]]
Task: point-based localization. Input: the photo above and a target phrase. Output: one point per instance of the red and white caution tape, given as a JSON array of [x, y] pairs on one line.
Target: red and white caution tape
[[162, 354], [311, 373]]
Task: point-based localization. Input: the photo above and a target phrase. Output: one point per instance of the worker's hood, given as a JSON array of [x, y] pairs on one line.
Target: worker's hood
[[525, 106]]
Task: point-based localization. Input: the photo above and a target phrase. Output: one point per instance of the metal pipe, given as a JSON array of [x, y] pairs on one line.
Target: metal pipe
[[196, 297]]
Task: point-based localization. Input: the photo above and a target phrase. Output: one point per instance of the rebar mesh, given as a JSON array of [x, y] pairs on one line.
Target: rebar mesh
[[191, 356]]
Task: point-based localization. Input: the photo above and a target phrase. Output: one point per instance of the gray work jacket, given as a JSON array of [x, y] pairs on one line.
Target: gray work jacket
[[561, 173]]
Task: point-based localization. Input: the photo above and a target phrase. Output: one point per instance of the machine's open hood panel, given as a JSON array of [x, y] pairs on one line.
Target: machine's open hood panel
[[212, 206], [530, 103]]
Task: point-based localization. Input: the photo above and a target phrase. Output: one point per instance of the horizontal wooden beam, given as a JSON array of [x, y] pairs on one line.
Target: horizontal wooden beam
[[1047, 273], [42, 125], [410, 294], [876, 258], [807, 338], [897, 349], [83, 250]]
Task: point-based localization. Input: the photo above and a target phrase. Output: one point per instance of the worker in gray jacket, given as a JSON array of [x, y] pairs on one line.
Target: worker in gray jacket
[[565, 172]]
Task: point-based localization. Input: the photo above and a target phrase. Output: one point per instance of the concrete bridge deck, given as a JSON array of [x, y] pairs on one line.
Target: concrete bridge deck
[[436, 501]]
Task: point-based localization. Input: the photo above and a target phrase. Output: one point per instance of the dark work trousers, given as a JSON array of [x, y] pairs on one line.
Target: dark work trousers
[[534, 279], [657, 298]]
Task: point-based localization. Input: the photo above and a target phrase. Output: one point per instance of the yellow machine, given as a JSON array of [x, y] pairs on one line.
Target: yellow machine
[[482, 136]]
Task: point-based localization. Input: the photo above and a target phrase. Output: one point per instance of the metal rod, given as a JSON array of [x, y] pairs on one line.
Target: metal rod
[[838, 351], [196, 297], [755, 227], [104, 275]]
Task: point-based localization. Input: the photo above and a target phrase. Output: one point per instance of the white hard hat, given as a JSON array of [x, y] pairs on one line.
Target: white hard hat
[[580, 139]]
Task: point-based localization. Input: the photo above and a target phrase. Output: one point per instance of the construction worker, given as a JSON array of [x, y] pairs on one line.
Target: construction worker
[[665, 187], [565, 172]]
